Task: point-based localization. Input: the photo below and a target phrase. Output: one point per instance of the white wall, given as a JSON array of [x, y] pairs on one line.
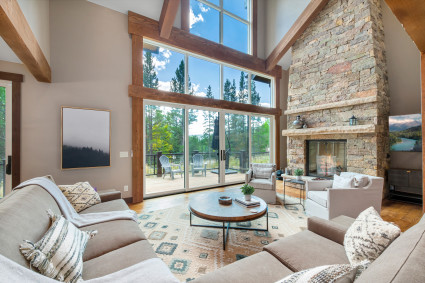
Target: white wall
[[281, 14], [403, 65], [37, 14], [91, 68]]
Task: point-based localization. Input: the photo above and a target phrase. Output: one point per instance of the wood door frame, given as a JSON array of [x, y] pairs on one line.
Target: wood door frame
[[16, 80]]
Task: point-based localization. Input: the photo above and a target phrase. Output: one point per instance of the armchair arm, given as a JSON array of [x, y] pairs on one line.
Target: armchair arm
[[326, 228], [106, 196], [273, 179], [248, 176], [318, 185]]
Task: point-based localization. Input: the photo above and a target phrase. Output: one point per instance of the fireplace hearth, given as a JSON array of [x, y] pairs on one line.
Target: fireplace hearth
[[326, 158]]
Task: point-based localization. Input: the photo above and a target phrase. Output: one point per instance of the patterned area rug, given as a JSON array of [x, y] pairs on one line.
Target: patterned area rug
[[191, 252]]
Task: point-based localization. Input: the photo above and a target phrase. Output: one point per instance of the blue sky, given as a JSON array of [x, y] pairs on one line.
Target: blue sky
[[204, 21]]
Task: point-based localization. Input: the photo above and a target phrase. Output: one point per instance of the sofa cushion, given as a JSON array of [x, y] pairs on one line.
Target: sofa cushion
[[113, 205], [261, 267], [112, 235], [403, 261], [59, 253], [343, 182], [23, 216], [368, 237], [319, 197], [306, 250], [336, 273], [118, 259], [81, 195], [262, 184]]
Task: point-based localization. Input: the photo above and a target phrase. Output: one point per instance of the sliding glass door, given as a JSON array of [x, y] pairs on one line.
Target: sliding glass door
[[188, 148]]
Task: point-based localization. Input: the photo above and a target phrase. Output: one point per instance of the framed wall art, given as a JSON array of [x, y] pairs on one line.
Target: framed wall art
[[86, 138]]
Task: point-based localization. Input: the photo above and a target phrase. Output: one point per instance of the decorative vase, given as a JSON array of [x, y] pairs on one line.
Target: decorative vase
[[248, 197], [298, 124], [299, 178]]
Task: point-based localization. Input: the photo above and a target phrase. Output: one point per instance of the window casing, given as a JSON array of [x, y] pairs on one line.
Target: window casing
[[256, 89], [223, 20]]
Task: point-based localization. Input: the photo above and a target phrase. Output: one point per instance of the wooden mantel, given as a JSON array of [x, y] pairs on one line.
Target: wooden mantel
[[359, 129]]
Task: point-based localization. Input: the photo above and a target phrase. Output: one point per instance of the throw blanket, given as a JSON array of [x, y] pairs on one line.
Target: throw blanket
[[79, 220], [153, 270]]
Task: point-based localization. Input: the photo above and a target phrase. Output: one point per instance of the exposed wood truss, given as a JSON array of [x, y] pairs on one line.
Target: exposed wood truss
[[411, 14], [17, 33], [168, 15], [300, 25], [149, 28], [254, 28], [185, 17]]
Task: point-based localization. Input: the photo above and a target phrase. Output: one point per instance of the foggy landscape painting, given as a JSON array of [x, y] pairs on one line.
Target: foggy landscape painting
[[406, 133], [85, 138]]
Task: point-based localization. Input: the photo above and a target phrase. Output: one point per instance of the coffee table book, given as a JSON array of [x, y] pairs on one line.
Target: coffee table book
[[251, 203]]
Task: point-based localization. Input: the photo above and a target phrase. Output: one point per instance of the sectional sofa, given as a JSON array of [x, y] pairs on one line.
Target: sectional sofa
[[120, 244]]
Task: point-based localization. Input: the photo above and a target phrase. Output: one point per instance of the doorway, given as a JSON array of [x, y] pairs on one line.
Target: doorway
[[190, 148], [5, 137]]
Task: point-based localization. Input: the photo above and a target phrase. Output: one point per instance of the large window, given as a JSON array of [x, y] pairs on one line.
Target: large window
[[223, 21], [173, 70]]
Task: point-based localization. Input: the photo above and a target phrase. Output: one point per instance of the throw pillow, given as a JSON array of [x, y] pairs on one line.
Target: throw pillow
[[59, 253], [368, 237], [337, 273], [342, 182], [81, 195], [262, 172]]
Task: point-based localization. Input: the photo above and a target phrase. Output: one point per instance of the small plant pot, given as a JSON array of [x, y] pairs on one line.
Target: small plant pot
[[248, 197], [299, 178]]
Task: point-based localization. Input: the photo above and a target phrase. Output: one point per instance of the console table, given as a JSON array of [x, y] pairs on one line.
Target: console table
[[405, 184]]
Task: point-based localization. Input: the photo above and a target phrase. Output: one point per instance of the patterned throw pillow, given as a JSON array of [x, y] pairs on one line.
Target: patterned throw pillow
[[342, 182], [336, 273], [368, 237], [81, 195], [59, 253]]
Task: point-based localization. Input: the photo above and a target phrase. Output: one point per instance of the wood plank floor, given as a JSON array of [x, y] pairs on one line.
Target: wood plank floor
[[404, 215]]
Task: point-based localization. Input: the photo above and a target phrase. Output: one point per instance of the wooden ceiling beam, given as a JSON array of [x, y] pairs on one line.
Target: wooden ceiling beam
[[168, 15], [17, 33], [300, 25], [185, 15], [411, 14], [149, 28]]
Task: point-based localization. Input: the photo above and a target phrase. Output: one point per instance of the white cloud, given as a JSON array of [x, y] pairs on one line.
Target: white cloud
[[203, 8], [195, 87], [264, 104], [201, 93], [164, 85], [195, 18], [159, 64], [165, 52]]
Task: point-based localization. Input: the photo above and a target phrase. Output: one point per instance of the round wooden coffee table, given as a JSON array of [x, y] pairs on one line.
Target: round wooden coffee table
[[206, 206]]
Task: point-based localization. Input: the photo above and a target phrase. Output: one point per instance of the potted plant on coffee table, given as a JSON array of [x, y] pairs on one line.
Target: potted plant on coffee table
[[247, 190], [298, 172]]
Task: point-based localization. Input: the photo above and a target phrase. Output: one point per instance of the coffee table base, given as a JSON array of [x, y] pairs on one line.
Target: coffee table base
[[227, 227]]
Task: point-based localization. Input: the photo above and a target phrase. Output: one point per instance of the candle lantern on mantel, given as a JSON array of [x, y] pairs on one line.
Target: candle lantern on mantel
[[353, 121]]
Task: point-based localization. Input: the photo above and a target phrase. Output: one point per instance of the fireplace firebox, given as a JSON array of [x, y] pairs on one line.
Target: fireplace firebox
[[325, 158]]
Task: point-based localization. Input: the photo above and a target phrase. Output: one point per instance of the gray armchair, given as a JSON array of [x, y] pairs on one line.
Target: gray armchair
[[263, 178]]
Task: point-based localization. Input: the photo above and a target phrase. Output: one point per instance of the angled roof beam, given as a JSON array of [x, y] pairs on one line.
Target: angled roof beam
[[411, 14], [300, 25], [17, 33], [168, 14]]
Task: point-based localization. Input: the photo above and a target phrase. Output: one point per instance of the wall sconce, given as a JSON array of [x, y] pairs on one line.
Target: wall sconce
[[353, 121]]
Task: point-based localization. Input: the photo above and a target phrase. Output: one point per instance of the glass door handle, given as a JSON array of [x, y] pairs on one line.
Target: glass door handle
[[9, 165]]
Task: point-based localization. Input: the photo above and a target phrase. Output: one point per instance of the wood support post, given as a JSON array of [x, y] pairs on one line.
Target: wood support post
[[423, 123]]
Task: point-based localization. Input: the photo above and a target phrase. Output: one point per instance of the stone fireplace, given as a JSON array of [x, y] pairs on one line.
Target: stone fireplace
[[339, 70], [326, 158]]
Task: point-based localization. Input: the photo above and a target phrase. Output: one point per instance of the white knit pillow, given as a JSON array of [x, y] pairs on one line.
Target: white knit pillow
[[322, 274], [81, 195], [368, 237], [59, 253], [342, 182]]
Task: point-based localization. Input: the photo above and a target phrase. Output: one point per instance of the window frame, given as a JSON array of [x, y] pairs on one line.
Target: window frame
[[222, 12], [221, 75]]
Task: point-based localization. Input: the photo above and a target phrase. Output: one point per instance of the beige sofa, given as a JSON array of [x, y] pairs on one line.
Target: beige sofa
[[321, 244], [118, 244]]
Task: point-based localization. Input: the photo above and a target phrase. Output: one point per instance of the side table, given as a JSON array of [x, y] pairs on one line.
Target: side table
[[302, 192]]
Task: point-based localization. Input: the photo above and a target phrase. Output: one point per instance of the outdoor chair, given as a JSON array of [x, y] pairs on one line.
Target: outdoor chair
[[168, 167], [263, 178], [198, 165]]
